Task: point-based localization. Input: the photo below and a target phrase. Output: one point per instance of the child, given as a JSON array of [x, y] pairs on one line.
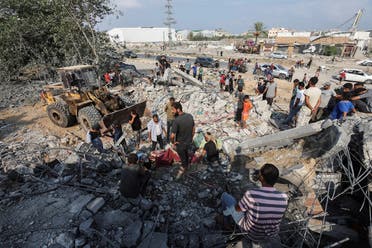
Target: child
[[247, 106]]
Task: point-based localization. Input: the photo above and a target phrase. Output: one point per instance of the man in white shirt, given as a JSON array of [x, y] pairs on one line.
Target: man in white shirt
[[311, 104], [156, 130], [297, 104]]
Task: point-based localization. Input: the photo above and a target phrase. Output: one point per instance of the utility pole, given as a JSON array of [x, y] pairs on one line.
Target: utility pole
[[169, 20]]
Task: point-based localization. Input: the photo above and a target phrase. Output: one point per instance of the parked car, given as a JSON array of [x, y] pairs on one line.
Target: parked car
[[129, 69], [310, 50], [278, 70], [130, 54], [355, 75], [207, 62], [278, 55], [366, 62]]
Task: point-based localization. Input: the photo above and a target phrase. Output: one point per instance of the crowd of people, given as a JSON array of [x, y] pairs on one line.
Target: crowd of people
[[259, 211]]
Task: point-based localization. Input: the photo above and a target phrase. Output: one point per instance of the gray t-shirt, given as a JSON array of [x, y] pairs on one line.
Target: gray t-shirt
[[325, 97], [182, 128], [271, 87], [368, 98]]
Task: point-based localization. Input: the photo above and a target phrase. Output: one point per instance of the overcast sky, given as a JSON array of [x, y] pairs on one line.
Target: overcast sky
[[238, 16]]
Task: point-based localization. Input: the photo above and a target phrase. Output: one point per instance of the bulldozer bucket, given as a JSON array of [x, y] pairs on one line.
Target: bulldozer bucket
[[123, 115]]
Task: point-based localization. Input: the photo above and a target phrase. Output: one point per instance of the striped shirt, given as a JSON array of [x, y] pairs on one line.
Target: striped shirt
[[263, 211]]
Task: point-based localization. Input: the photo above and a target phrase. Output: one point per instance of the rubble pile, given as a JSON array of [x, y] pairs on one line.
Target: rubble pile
[[63, 193], [213, 111], [18, 94]]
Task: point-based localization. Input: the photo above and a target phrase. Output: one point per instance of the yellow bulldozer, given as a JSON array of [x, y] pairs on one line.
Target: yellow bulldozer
[[80, 97]]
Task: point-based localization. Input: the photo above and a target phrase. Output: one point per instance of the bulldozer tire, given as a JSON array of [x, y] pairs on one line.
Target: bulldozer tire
[[88, 117], [59, 114]]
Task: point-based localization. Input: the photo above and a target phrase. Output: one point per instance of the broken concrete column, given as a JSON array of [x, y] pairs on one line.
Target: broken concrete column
[[282, 138], [188, 77]]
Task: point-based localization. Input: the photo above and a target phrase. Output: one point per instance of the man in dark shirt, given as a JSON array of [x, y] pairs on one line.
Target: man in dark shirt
[[183, 131], [210, 148], [135, 121], [133, 178]]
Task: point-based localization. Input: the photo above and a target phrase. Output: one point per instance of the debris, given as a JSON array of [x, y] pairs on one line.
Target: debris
[[96, 204]]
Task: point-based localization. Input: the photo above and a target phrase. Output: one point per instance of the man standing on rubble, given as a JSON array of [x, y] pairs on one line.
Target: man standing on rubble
[[311, 104], [134, 178], [271, 91], [200, 75], [156, 129], [187, 66], [170, 116], [194, 70], [183, 131], [260, 211]]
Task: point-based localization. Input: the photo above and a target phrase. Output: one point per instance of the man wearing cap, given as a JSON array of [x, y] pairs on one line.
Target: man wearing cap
[[327, 94], [312, 102]]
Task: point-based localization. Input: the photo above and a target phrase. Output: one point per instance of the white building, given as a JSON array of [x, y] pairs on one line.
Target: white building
[[182, 35], [140, 34], [273, 32]]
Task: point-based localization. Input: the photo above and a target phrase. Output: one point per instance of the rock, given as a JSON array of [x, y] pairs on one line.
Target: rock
[[114, 218], [85, 214], [132, 233], [84, 227], [96, 205], [204, 194], [72, 159], [66, 240], [146, 204], [77, 205], [155, 240], [148, 226], [79, 242]]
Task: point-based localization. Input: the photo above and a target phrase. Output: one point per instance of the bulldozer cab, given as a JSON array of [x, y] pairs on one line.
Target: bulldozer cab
[[84, 77]]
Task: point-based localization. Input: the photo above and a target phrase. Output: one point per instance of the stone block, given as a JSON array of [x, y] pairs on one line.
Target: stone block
[[79, 203], [96, 205]]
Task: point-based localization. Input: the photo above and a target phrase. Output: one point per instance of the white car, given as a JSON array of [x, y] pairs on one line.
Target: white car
[[278, 55], [356, 75], [366, 62]]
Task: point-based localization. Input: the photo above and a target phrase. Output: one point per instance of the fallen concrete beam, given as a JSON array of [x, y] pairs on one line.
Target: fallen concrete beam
[[188, 77], [282, 138]]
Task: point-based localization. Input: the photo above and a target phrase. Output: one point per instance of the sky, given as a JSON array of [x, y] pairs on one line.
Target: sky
[[237, 16]]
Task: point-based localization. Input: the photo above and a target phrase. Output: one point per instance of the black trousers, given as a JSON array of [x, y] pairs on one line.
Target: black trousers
[[269, 100], [159, 140], [169, 128], [183, 152], [238, 115]]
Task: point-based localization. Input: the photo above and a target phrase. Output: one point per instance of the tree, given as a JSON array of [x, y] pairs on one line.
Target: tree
[[259, 29], [51, 33]]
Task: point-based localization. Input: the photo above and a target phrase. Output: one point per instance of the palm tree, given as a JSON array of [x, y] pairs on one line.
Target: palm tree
[[259, 28]]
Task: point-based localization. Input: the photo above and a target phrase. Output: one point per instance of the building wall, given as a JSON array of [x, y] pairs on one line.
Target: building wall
[[292, 40], [329, 40], [140, 34]]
